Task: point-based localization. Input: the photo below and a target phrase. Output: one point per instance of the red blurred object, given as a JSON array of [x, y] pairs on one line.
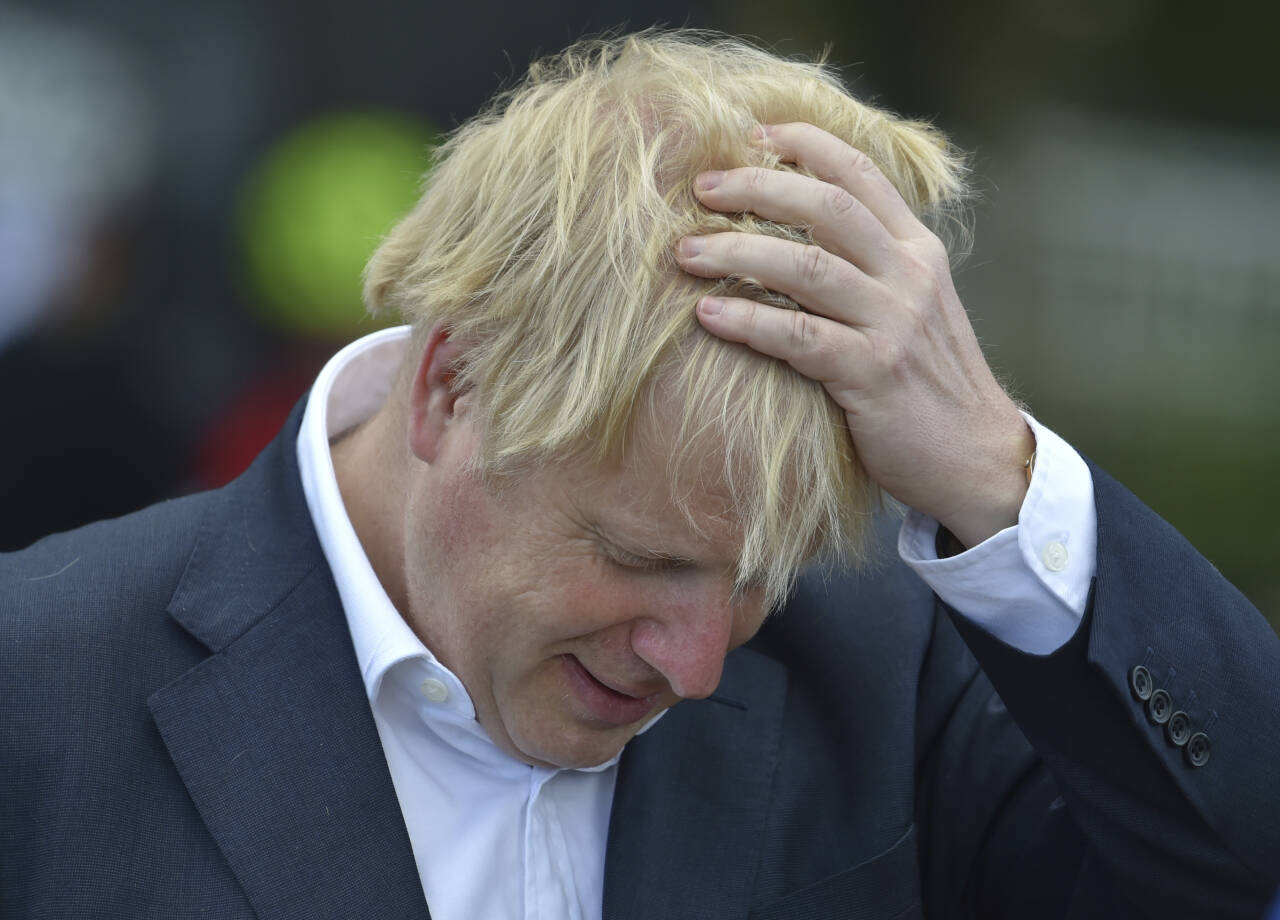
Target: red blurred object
[[251, 419]]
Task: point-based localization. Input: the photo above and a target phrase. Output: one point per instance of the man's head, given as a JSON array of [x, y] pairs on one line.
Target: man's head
[[576, 398]]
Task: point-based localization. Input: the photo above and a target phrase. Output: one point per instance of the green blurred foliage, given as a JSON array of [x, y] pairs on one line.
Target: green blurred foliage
[[315, 207]]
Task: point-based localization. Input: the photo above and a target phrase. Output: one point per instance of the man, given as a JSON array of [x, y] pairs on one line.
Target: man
[[675, 321]]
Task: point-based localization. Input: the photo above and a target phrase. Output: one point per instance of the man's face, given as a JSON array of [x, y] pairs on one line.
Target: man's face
[[575, 604]]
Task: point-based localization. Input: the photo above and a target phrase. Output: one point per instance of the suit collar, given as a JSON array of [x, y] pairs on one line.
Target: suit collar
[[272, 734], [692, 797], [254, 545]]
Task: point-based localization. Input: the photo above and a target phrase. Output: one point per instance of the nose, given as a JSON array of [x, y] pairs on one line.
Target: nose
[[686, 644]]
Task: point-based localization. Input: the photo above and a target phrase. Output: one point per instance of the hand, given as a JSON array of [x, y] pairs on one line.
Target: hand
[[881, 327]]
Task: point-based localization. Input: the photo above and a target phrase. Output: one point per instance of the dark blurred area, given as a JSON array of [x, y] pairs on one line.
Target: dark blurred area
[[188, 192]]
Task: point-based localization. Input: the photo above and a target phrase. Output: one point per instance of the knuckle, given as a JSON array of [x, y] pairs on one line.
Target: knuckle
[[929, 280], [837, 202], [811, 265], [915, 321], [862, 164], [921, 274], [934, 250], [803, 331], [916, 265], [934, 289], [890, 354], [827, 352], [754, 178]]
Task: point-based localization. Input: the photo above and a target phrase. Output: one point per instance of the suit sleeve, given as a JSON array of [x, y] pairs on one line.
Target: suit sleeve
[[1159, 725]]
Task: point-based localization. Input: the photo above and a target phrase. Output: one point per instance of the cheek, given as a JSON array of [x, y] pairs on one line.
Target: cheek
[[506, 577], [469, 551], [750, 614], [569, 598], [448, 569], [744, 630], [460, 523]]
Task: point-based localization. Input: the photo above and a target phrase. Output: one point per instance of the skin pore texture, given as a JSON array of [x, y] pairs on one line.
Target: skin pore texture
[[573, 603]]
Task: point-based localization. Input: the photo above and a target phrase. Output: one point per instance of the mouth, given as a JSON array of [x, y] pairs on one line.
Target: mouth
[[603, 702]]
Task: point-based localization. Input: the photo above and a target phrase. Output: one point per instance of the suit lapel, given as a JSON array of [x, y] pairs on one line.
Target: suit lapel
[[692, 797], [272, 733]]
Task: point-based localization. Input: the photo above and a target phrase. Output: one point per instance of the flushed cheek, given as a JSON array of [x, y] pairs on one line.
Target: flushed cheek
[[575, 598]]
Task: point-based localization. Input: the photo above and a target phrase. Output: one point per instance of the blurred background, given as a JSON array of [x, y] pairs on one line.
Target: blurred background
[[188, 192]]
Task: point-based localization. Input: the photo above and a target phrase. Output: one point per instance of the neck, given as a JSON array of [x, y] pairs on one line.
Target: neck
[[372, 480]]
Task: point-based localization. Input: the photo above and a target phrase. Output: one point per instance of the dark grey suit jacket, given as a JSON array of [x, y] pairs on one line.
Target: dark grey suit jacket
[[184, 733]]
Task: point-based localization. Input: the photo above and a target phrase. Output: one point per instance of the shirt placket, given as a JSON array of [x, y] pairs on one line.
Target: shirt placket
[[550, 888]]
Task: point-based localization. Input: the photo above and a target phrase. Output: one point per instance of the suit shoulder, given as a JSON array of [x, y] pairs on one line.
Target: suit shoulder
[[85, 639], [91, 577]]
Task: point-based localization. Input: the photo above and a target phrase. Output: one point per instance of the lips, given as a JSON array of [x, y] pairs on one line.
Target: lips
[[602, 701]]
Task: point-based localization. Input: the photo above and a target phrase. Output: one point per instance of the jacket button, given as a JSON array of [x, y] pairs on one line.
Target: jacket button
[[1197, 750], [1140, 683], [1178, 728], [1159, 707]]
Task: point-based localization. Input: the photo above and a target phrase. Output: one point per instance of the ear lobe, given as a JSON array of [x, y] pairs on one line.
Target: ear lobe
[[433, 401]]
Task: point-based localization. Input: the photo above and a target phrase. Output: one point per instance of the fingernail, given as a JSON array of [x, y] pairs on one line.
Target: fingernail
[[709, 180], [711, 306], [692, 246]]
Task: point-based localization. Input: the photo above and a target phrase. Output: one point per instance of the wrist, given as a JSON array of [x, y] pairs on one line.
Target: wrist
[[996, 486]]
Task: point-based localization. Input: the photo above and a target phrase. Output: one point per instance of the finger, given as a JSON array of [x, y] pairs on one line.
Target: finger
[[820, 349], [840, 223], [834, 161], [820, 282]]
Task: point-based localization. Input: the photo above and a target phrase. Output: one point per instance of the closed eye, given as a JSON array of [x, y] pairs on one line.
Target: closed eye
[[656, 563]]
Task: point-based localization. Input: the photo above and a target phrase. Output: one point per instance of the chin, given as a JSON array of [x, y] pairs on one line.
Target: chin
[[545, 726], [574, 748]]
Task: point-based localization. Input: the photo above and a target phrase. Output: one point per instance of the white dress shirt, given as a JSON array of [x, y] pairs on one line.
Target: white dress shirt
[[496, 838]]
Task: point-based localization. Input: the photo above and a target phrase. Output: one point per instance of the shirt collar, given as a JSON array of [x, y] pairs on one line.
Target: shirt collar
[[350, 389]]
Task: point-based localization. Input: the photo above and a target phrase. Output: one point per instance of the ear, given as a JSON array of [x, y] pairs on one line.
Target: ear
[[433, 401]]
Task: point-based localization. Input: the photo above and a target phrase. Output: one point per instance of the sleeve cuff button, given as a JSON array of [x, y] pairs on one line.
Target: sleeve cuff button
[[1178, 728], [1140, 683], [1159, 707], [1197, 750]]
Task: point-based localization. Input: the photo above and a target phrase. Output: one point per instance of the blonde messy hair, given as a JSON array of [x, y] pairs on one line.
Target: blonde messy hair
[[545, 241]]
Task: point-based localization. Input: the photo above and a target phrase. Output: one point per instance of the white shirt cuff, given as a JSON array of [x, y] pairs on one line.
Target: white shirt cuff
[[1028, 584]]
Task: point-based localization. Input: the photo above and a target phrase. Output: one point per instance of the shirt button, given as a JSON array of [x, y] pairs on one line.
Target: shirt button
[[1054, 556], [435, 690]]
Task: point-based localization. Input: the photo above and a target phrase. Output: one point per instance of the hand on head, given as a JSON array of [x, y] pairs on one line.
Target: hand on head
[[881, 326]]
